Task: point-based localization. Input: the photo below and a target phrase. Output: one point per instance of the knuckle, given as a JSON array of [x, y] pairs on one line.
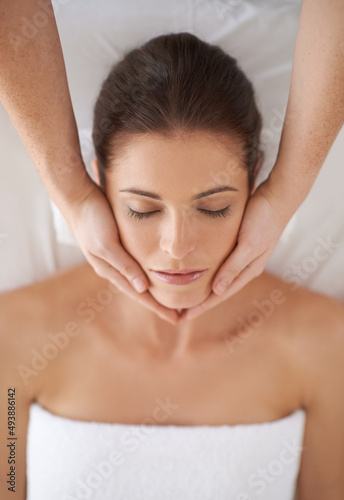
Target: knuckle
[[234, 272], [126, 270], [250, 248], [119, 285], [260, 270], [97, 248], [100, 271]]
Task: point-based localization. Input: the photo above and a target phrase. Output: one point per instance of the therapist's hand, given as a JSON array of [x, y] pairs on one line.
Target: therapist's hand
[[95, 229], [262, 225]]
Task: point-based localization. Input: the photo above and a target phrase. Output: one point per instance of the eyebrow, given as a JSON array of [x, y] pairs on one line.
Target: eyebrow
[[219, 189]]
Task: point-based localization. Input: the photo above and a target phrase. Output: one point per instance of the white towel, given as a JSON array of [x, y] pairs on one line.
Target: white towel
[[72, 460]]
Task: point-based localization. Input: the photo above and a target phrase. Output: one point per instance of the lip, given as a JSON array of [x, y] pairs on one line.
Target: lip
[[179, 277], [178, 271]]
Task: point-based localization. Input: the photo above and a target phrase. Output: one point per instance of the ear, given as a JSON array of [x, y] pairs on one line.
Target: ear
[[95, 170]]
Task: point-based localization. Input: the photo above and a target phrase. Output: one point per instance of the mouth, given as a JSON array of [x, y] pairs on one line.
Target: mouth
[[179, 277], [178, 271]]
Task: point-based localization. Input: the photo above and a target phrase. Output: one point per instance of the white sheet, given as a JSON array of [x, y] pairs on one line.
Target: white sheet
[[94, 34]]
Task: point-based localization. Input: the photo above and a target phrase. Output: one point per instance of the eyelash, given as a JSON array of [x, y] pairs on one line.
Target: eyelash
[[145, 215]]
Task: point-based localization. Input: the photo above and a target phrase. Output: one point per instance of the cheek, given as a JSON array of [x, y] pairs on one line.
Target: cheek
[[135, 238], [223, 237]]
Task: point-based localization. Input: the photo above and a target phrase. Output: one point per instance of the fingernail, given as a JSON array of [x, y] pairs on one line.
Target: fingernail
[[221, 287], [139, 285]]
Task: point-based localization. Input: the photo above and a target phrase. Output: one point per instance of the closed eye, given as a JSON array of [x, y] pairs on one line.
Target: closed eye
[[211, 213], [217, 213]]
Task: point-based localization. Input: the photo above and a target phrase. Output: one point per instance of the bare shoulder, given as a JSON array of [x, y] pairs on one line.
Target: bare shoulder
[[314, 335], [20, 314], [23, 315], [309, 315], [36, 324], [30, 315], [317, 323], [310, 329]]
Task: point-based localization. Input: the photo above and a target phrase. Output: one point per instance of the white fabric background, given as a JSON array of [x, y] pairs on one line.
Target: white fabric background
[[35, 241]]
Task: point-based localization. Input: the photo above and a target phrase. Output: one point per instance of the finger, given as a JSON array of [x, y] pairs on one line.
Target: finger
[[119, 259], [252, 271], [195, 311], [239, 259], [119, 281], [106, 271], [163, 312]]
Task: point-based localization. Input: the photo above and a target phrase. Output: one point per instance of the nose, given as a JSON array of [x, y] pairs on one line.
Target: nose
[[178, 237]]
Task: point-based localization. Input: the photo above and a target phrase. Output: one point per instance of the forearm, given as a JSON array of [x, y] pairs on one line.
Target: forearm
[[34, 92], [315, 110]]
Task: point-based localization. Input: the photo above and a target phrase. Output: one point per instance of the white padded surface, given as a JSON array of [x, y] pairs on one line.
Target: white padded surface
[[34, 239]]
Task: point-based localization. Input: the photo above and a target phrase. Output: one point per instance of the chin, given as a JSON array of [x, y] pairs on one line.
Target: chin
[[179, 300]]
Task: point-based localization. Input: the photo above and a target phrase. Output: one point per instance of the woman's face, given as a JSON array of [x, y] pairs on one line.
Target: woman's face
[[178, 204]]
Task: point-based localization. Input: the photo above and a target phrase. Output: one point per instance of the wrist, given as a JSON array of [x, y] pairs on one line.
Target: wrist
[[285, 190], [282, 198], [70, 192]]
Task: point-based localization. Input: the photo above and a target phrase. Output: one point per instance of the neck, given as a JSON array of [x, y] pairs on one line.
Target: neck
[[149, 331], [138, 326]]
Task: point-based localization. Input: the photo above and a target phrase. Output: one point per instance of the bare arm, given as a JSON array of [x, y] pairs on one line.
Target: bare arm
[[315, 110], [34, 92], [320, 360]]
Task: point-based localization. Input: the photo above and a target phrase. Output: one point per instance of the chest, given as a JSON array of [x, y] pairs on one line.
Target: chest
[[219, 385]]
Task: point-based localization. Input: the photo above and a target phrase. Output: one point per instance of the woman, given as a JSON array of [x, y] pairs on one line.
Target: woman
[[176, 132]]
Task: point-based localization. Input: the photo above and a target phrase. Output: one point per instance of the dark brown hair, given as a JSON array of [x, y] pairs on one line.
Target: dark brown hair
[[172, 84]]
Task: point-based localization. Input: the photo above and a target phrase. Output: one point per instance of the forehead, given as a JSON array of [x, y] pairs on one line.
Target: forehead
[[186, 164]]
